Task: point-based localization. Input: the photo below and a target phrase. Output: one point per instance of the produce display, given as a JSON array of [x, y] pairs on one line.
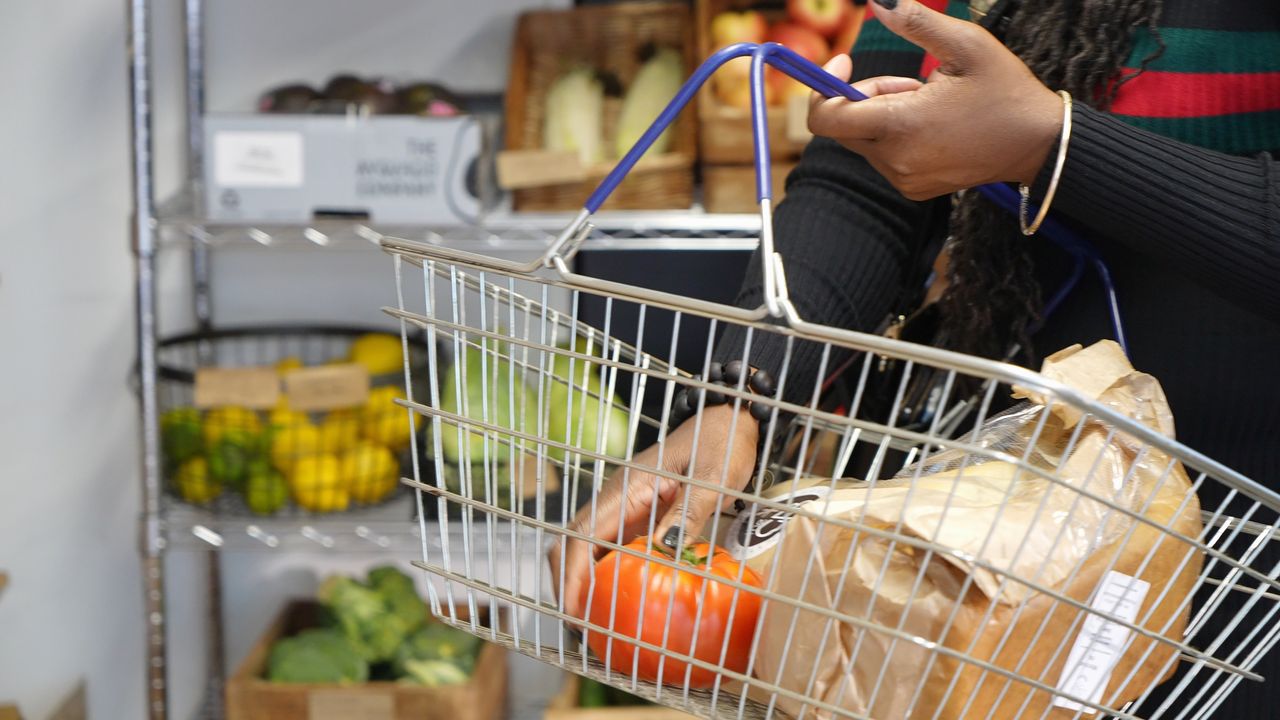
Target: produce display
[[322, 461], [577, 107], [722, 617], [375, 96], [376, 630], [487, 387], [815, 29]]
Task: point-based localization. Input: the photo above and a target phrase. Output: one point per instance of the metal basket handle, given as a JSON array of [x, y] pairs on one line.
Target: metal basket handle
[[794, 65]]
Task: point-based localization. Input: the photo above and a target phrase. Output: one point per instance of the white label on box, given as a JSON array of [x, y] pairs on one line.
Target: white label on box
[[258, 159], [1098, 646]]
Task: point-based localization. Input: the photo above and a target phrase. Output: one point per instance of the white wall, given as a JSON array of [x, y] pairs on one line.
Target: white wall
[[68, 441], [68, 419]]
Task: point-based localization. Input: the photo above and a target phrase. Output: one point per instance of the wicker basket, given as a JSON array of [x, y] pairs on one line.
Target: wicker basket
[[609, 38]]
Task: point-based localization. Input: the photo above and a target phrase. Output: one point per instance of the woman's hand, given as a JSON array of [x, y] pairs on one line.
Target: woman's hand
[[982, 117], [632, 510]]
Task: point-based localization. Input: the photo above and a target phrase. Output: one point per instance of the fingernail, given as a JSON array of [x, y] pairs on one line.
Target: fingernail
[[887, 4], [672, 538]]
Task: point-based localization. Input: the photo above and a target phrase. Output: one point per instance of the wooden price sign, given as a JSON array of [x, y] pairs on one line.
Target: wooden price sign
[[327, 387], [252, 387], [347, 704]]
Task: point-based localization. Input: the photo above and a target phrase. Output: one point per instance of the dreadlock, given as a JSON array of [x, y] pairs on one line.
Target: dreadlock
[[1080, 46]]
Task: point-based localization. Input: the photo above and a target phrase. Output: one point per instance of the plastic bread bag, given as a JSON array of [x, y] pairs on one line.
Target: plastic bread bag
[[973, 553]]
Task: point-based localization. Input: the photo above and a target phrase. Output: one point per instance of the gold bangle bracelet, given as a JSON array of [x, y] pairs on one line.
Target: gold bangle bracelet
[[1025, 191]]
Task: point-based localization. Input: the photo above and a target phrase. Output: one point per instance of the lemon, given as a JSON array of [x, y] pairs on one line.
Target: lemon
[[339, 431], [378, 352], [382, 399], [219, 420], [369, 471], [316, 481], [284, 365], [292, 443], [282, 417], [389, 429], [194, 484]]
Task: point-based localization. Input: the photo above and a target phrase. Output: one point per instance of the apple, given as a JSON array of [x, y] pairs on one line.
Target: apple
[[732, 81], [728, 28], [805, 43], [848, 35], [825, 17]]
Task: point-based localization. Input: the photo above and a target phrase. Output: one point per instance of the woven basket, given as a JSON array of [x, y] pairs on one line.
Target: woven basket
[[608, 38]]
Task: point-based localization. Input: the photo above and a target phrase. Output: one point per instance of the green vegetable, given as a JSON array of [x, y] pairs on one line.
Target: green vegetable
[[437, 654], [488, 397], [657, 81], [265, 491], [574, 120], [591, 694], [577, 400], [180, 434], [364, 617], [316, 656], [400, 595]]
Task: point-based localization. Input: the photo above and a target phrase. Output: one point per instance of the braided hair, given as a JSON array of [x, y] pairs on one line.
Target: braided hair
[[992, 298]]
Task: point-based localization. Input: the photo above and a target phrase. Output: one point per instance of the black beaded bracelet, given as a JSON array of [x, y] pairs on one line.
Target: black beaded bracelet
[[729, 375]]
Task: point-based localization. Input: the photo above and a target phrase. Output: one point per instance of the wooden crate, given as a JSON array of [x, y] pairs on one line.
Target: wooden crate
[[732, 188], [610, 38], [250, 697], [564, 706], [724, 131]]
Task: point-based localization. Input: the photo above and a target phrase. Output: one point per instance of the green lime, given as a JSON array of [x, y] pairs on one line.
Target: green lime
[[180, 434]]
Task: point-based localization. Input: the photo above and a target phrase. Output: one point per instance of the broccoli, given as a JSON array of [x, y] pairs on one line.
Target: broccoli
[[316, 656], [364, 616], [422, 656], [400, 595]]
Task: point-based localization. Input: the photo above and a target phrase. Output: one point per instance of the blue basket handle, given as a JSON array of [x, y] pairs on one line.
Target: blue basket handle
[[794, 65]]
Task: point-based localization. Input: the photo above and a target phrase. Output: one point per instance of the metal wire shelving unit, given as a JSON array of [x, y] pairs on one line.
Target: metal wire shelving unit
[[177, 224]]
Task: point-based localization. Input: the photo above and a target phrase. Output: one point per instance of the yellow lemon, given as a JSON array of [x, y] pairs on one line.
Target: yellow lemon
[[382, 400], [339, 431], [282, 417], [369, 472], [389, 429], [219, 420], [380, 353], [194, 484], [316, 482], [292, 443], [284, 365]]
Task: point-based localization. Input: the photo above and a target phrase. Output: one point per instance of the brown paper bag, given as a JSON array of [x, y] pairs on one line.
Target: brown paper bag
[[1000, 528]]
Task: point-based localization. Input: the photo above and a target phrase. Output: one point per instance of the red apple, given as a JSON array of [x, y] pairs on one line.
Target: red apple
[[728, 28], [807, 44], [849, 33], [825, 17]]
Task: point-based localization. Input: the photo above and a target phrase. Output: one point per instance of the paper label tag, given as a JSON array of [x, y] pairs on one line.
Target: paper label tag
[[255, 159], [1098, 646], [350, 705], [327, 387], [252, 387], [751, 535]]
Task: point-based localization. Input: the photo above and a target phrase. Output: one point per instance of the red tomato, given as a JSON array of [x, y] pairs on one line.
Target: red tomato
[[663, 586]]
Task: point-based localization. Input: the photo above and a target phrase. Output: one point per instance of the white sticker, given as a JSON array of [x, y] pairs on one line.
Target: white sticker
[[752, 534], [1098, 646], [258, 159]]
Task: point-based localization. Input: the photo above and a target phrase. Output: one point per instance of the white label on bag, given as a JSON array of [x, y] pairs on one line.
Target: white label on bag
[[1098, 646], [258, 159], [751, 535]]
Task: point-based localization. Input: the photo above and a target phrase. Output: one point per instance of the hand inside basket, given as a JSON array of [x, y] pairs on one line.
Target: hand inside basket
[[726, 453]]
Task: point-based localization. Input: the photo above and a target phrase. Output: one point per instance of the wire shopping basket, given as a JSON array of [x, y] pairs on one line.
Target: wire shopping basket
[[1058, 558]]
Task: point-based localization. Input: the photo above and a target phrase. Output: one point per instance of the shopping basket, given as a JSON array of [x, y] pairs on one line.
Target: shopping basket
[[1109, 571]]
